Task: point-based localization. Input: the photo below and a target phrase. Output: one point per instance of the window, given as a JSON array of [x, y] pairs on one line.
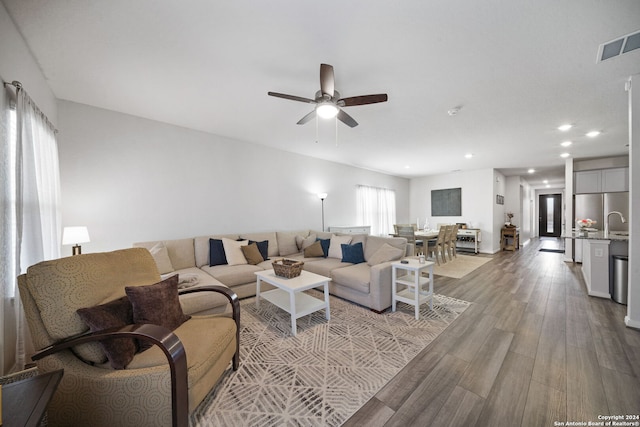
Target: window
[[377, 208]]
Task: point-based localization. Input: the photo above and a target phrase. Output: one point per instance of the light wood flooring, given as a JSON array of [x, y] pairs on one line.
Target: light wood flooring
[[533, 349]]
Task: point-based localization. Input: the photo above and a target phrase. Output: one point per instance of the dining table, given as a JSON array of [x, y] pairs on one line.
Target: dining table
[[424, 235]]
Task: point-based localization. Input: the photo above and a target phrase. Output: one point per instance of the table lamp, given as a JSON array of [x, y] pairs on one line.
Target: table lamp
[[74, 236]]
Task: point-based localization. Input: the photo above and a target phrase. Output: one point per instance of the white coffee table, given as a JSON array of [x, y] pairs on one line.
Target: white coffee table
[[289, 294]]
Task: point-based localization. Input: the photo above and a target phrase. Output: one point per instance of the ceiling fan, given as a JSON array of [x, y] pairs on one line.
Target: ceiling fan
[[327, 100]]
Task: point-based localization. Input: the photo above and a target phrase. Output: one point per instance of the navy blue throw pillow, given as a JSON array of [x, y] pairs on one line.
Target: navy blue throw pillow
[[216, 253], [263, 247], [325, 246], [352, 253]]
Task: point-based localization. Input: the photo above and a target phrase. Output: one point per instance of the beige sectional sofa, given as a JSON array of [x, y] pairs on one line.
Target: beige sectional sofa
[[367, 283]]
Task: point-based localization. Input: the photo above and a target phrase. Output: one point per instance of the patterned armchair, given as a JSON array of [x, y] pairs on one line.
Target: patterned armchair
[[159, 386]]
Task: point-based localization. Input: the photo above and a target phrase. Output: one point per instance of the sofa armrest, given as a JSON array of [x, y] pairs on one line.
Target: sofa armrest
[[235, 305], [158, 335], [380, 285]]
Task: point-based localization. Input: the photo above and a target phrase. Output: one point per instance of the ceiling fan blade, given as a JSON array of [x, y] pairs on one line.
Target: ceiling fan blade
[[306, 118], [363, 100], [327, 80], [292, 97], [346, 119]]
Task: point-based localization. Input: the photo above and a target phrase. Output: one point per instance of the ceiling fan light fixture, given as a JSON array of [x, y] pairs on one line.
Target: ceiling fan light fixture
[[327, 110]]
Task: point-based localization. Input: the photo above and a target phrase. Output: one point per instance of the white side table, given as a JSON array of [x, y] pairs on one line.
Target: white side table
[[412, 284]]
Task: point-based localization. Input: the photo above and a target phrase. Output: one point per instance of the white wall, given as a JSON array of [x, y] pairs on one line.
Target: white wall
[[16, 63], [477, 202], [130, 179]]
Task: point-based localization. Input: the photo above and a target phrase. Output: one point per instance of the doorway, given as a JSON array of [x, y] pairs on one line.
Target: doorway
[[550, 215]]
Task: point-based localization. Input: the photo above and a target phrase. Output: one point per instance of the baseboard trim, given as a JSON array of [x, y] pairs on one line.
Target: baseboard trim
[[631, 323]]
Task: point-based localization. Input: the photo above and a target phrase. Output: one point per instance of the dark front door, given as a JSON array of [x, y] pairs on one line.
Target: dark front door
[[550, 218]]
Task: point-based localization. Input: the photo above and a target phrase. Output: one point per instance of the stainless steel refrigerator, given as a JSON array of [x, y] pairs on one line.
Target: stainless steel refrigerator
[[596, 207]]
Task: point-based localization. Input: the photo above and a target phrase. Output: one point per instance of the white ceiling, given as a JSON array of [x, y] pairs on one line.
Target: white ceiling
[[517, 68]]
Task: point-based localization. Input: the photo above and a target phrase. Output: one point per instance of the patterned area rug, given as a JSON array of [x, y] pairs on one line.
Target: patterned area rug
[[324, 374]]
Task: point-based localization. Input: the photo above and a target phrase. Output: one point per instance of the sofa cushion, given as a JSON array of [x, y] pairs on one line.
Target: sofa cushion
[[160, 255], [233, 251], [353, 253], [157, 304], [356, 277], [233, 275], [335, 245], [216, 252], [252, 253], [374, 243], [181, 251], [117, 313], [385, 253], [314, 250], [324, 266], [287, 241], [305, 242], [261, 237]]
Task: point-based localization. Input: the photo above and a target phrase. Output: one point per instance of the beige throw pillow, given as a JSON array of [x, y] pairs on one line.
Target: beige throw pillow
[[160, 255], [314, 250], [384, 254], [304, 242], [335, 248], [252, 254], [233, 251]]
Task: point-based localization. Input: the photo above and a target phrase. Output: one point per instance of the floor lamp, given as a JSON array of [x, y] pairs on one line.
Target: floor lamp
[[322, 196]]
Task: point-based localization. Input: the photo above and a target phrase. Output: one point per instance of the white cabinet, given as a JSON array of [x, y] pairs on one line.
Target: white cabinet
[[588, 182], [602, 181], [348, 229], [616, 179]]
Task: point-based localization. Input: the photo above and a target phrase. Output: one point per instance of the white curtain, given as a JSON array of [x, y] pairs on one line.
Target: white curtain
[[377, 207], [31, 224]]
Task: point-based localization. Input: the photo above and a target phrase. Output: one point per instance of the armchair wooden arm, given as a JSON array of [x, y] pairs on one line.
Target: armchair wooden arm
[[158, 335], [235, 305]]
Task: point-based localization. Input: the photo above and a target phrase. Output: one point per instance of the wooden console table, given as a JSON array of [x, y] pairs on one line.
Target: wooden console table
[[510, 239]]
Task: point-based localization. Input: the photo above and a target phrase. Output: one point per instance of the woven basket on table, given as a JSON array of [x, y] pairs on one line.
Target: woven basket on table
[[287, 268]]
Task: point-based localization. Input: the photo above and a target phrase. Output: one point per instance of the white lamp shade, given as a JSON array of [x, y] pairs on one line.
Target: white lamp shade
[[75, 235], [322, 195]]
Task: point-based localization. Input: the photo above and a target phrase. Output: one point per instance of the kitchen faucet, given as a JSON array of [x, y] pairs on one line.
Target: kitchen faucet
[[606, 226]]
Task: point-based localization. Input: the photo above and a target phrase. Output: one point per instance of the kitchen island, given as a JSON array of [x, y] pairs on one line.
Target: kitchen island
[[598, 247]]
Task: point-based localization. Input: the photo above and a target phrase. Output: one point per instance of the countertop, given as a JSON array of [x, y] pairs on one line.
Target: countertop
[[598, 235]]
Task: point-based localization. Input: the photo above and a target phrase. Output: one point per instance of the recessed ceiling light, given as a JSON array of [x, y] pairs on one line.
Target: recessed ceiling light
[[546, 181], [407, 167], [548, 186], [565, 128], [531, 170], [566, 143], [565, 155], [468, 155], [593, 133]]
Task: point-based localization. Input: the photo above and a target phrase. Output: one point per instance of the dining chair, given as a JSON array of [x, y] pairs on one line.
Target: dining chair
[[408, 233], [436, 246], [451, 244]]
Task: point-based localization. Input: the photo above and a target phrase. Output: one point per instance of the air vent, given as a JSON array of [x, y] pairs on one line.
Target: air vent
[[619, 46]]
